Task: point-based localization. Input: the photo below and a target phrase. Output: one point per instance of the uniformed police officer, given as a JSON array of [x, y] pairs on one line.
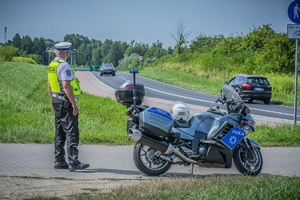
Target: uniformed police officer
[[64, 90]]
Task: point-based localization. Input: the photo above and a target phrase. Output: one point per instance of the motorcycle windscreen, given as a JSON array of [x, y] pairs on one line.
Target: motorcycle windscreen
[[230, 93], [233, 137]]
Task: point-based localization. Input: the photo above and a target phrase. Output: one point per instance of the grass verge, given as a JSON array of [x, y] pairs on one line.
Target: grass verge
[[212, 83], [218, 187]]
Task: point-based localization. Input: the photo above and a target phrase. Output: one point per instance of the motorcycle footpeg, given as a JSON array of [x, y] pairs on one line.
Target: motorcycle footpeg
[[194, 155]]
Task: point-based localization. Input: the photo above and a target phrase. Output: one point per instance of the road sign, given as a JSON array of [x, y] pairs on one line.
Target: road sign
[[293, 31], [140, 58], [294, 11]]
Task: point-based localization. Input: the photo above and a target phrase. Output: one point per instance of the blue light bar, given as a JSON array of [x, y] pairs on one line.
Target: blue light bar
[[134, 71]]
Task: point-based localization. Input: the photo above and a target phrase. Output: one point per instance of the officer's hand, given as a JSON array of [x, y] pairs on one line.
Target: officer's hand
[[75, 109]]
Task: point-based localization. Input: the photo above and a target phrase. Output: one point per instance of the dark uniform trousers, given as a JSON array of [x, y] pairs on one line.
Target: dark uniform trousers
[[66, 129]]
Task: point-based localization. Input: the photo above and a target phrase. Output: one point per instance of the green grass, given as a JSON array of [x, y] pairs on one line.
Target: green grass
[[283, 135], [26, 115], [211, 85]]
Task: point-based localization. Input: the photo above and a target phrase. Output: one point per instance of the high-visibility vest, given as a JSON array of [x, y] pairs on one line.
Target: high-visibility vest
[[56, 84]]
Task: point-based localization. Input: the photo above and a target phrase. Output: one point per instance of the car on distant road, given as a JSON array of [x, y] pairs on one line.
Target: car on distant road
[[251, 87], [107, 68]]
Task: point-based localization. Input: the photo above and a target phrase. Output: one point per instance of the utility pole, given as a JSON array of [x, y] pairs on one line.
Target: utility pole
[[5, 34]]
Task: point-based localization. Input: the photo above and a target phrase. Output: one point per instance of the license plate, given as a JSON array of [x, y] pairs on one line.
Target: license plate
[[259, 89], [233, 137]]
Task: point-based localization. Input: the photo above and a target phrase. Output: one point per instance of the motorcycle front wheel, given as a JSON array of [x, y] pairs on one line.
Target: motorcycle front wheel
[[147, 160], [248, 161]]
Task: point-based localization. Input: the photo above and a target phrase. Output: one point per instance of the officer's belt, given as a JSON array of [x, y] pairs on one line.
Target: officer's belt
[[60, 97], [63, 98]]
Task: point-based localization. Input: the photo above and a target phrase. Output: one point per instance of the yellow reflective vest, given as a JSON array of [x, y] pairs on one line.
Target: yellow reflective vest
[[56, 84]]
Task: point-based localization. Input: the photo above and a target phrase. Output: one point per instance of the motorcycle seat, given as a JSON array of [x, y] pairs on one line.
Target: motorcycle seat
[[178, 124]]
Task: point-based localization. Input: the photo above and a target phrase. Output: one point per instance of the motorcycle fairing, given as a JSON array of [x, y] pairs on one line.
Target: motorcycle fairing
[[219, 155], [233, 137]]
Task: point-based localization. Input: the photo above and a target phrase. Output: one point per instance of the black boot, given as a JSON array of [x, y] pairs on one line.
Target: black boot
[[73, 168], [61, 165]]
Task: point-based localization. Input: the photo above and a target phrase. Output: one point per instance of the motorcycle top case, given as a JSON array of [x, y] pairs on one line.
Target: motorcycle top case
[[156, 122], [124, 93]]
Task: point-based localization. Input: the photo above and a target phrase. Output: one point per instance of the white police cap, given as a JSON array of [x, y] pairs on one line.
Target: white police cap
[[63, 45]]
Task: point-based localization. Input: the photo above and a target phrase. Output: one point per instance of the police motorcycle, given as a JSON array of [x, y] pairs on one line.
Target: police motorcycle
[[209, 138]]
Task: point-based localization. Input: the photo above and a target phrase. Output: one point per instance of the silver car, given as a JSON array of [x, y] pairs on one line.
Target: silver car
[[107, 68]]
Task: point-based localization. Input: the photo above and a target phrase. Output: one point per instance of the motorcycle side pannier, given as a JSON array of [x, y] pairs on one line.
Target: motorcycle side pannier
[[124, 93], [156, 121]]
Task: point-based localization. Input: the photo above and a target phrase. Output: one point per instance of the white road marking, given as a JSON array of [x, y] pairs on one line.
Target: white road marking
[[176, 95]]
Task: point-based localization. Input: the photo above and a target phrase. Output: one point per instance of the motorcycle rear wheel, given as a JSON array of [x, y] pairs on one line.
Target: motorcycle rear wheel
[[146, 160], [248, 163]]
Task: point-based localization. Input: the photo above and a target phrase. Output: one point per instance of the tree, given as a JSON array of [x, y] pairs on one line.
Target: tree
[[26, 44], [180, 36], [280, 52], [115, 54], [96, 56], [137, 48], [129, 62], [156, 51], [76, 40], [105, 49], [38, 46], [205, 44], [17, 41], [258, 37]]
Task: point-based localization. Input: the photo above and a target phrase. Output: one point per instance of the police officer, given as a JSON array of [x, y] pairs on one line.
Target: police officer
[[64, 90]]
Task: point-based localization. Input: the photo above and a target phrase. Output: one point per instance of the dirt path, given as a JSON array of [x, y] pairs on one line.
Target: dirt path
[[22, 187]]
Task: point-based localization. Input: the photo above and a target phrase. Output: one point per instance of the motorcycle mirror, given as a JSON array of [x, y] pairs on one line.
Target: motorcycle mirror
[[220, 100], [246, 110]]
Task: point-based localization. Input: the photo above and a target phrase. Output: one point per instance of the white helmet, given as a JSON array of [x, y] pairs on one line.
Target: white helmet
[[180, 111]]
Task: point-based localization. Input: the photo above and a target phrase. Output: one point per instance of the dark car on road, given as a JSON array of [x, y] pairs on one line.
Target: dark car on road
[[107, 68], [251, 87]]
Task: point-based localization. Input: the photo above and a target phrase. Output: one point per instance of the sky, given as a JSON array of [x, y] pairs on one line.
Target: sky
[[145, 21]]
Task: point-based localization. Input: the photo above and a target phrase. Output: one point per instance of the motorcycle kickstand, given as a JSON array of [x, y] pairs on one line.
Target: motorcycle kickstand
[[192, 171]]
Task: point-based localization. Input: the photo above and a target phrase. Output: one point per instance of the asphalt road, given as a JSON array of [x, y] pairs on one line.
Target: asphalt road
[[164, 91]]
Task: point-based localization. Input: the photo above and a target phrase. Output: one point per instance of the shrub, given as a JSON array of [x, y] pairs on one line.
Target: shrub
[[37, 58], [24, 60], [8, 52], [129, 62]]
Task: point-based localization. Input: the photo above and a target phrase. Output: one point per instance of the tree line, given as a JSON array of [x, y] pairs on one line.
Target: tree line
[[260, 45], [85, 51]]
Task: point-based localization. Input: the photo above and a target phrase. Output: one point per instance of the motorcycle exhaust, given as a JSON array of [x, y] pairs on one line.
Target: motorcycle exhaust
[[162, 146], [138, 136]]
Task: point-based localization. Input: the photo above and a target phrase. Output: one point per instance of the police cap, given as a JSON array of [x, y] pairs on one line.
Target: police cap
[[63, 45]]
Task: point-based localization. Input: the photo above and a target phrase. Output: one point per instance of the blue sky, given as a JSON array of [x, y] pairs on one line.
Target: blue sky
[[145, 21]]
